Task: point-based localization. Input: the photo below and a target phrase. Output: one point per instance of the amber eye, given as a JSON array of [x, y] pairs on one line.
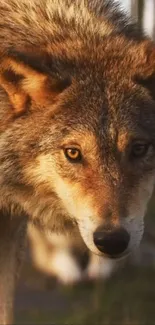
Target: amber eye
[[139, 149], [73, 155]]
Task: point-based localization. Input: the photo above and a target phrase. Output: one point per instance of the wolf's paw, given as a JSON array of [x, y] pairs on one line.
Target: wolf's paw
[[65, 268]]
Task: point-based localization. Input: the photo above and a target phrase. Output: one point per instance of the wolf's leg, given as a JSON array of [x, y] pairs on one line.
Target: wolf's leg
[[52, 254], [12, 239]]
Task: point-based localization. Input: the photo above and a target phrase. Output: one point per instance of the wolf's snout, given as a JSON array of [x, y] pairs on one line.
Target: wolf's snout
[[111, 242]]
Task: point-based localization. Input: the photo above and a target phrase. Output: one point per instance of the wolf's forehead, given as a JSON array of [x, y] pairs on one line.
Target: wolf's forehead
[[97, 135], [107, 129]]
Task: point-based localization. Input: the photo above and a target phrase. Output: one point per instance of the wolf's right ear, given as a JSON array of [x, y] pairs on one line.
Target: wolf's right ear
[[24, 83]]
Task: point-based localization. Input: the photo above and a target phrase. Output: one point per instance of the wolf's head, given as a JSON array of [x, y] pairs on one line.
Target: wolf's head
[[78, 136]]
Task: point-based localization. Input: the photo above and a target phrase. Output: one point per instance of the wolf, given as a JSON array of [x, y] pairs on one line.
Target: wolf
[[77, 131]]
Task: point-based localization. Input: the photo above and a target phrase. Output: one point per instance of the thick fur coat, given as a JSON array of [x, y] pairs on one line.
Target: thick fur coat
[[76, 80]]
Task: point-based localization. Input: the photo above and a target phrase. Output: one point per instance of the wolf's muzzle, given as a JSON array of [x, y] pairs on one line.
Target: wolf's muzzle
[[111, 242]]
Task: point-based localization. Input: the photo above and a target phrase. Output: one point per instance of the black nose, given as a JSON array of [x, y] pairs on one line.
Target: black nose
[[111, 242]]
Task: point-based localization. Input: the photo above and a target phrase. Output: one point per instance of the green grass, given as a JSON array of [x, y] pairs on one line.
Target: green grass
[[128, 298]]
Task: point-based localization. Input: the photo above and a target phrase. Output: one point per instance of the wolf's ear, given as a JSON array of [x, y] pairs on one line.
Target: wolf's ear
[[146, 70], [25, 83]]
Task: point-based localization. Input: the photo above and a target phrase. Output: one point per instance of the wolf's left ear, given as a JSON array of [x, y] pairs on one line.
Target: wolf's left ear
[[146, 70], [25, 83]]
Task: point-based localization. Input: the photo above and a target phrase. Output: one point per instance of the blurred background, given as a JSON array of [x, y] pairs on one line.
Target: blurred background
[[143, 11], [49, 292]]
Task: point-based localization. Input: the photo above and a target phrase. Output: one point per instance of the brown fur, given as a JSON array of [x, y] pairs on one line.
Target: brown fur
[[73, 74]]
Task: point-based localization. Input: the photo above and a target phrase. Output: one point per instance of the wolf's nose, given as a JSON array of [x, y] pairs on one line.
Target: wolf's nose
[[111, 242]]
